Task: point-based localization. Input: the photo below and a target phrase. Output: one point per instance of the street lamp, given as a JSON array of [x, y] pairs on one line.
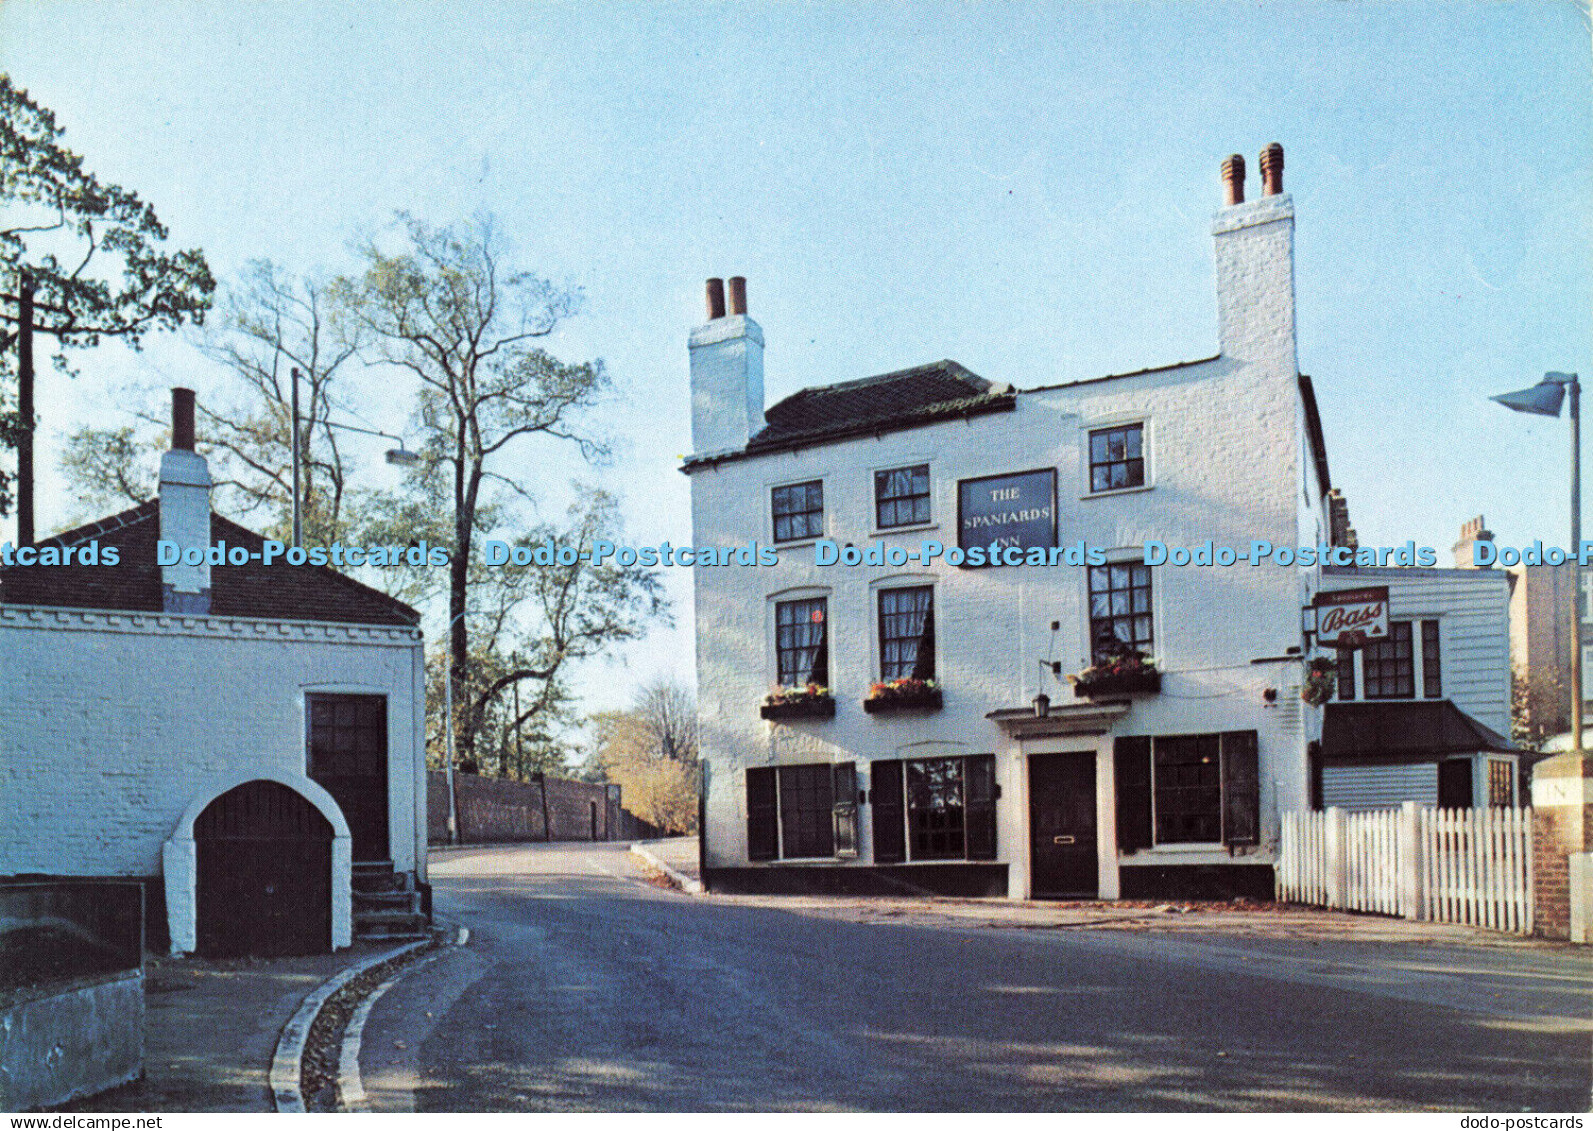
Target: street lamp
[[398, 457], [1544, 399]]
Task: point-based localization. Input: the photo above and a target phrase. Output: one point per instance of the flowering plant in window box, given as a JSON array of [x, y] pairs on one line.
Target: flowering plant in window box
[[903, 695], [809, 701], [1320, 679], [1119, 673]]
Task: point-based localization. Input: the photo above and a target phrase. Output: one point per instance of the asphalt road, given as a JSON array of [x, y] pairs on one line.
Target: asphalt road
[[583, 988]]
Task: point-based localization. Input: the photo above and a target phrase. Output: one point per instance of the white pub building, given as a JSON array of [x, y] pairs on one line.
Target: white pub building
[[912, 727]]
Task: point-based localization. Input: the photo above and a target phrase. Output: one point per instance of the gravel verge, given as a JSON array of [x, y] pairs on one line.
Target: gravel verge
[[318, 1070]]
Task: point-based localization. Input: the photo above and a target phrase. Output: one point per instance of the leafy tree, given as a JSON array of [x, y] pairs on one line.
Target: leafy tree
[[650, 751], [446, 310], [108, 469], [1532, 708], [90, 250]]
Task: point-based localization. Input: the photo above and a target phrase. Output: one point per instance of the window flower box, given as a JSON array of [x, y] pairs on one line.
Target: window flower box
[[903, 695], [810, 702], [1127, 674]]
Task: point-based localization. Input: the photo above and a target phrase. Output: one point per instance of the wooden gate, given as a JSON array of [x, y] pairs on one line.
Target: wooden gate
[[265, 873]]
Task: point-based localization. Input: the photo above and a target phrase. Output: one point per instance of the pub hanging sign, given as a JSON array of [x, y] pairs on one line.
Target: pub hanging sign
[[1352, 618], [1008, 510]]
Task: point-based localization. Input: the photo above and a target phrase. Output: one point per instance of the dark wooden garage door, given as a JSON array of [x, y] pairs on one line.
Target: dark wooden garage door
[[265, 873]]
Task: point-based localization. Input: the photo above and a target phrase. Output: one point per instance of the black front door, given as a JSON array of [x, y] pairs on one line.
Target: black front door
[[348, 759], [1062, 826]]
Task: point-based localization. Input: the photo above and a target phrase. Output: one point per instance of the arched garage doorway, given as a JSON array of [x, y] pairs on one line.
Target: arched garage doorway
[[264, 863]]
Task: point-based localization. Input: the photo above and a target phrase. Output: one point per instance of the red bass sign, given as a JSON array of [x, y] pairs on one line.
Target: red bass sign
[[1349, 618]]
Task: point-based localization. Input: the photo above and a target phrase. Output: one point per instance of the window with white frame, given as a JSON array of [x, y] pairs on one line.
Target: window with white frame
[[1406, 665], [802, 812], [801, 642], [907, 633], [798, 510], [1117, 458], [1187, 789], [1120, 609], [901, 496]]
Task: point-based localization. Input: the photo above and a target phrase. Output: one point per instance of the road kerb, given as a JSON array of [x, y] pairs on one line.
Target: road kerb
[[287, 1063], [350, 1084], [677, 877]]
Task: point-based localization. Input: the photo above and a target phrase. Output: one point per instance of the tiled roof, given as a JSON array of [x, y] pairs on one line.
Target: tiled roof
[[1405, 729], [890, 402], [256, 591]]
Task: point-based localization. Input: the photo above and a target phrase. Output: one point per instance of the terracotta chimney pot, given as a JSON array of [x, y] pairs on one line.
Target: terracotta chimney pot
[[1272, 170], [182, 420]]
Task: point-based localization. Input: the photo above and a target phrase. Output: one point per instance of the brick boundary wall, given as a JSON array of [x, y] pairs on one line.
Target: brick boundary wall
[[494, 810], [1551, 874], [1562, 825]]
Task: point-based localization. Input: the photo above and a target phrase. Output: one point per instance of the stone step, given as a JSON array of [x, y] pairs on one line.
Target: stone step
[[390, 924], [386, 900], [373, 881]]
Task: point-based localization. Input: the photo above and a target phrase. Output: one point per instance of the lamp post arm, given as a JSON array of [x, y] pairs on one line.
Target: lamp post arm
[[1576, 576], [365, 431]]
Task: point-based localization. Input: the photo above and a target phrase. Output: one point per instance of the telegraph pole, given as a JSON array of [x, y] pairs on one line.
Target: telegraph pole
[[25, 410]]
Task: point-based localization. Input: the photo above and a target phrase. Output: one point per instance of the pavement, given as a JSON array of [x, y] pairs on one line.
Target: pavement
[[211, 1028], [587, 986], [1236, 919]]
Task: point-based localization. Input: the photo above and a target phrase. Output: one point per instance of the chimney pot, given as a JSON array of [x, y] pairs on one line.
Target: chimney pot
[[716, 299], [1272, 170], [1233, 179], [738, 295], [182, 420]]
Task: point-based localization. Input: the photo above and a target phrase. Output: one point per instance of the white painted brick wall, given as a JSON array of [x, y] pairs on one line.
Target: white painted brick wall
[[112, 723], [1228, 463]]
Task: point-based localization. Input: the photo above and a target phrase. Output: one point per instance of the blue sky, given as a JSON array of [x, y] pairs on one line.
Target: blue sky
[[1025, 188]]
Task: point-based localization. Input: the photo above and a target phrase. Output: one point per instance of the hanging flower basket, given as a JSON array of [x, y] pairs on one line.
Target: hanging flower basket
[[1320, 681], [903, 695], [809, 702], [1127, 674]]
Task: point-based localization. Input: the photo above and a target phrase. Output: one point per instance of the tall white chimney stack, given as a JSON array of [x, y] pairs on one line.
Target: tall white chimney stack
[[1255, 265], [185, 511], [726, 373]]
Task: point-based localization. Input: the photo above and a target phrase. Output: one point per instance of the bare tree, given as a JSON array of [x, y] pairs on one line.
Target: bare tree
[[669, 712], [465, 327], [271, 323], [108, 468]]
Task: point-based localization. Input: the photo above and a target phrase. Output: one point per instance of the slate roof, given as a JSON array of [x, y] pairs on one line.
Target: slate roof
[[1403, 730], [890, 402], [255, 591]]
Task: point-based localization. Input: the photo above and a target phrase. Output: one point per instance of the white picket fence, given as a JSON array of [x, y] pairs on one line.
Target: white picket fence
[[1448, 865]]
